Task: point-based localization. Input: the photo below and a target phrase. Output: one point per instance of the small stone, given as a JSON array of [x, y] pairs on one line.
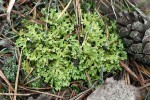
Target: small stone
[[146, 59], [138, 26], [146, 36], [123, 21], [146, 49], [127, 42], [129, 27], [138, 56], [127, 16], [136, 36], [134, 16], [136, 48], [124, 32]]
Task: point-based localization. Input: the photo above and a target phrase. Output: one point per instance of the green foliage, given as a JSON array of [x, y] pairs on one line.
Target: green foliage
[[10, 68], [59, 57]]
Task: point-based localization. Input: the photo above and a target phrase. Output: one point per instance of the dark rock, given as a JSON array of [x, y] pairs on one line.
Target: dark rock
[[136, 48], [146, 59], [124, 32], [147, 25], [134, 16], [129, 27], [123, 21], [146, 49], [146, 36], [136, 36], [138, 56], [127, 42], [138, 26]]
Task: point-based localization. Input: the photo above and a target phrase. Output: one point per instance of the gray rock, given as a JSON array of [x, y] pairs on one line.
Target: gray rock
[[146, 59], [124, 32], [136, 36], [115, 90], [138, 26], [136, 48], [138, 56], [127, 42], [146, 49], [146, 36]]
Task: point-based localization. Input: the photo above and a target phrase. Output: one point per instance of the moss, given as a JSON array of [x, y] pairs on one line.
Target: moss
[[60, 57]]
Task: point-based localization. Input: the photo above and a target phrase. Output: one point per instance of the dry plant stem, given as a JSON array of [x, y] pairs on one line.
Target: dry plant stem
[[34, 6], [20, 2], [12, 94], [49, 4], [46, 88], [82, 93], [11, 4], [1, 15], [58, 95], [46, 93], [112, 5], [34, 79], [5, 79], [28, 75], [64, 9], [140, 73], [63, 94], [130, 71], [17, 76], [11, 97], [88, 78], [145, 86]]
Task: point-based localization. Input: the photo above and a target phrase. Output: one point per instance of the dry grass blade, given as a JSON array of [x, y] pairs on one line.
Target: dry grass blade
[[22, 2], [139, 71], [130, 71], [147, 85], [34, 79], [77, 97], [46, 93], [112, 4], [17, 76], [64, 9], [5, 79], [28, 74], [11, 4], [10, 94], [35, 6], [88, 78]]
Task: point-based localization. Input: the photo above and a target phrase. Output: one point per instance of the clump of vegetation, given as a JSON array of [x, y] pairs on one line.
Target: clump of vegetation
[[10, 68], [60, 54]]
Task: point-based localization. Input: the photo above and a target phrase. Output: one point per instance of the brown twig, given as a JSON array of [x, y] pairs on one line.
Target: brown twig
[[12, 94], [46, 93], [130, 71], [17, 76], [145, 86], [5, 79]]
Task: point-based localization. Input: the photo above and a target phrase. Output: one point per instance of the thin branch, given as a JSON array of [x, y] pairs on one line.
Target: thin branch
[[17, 76]]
